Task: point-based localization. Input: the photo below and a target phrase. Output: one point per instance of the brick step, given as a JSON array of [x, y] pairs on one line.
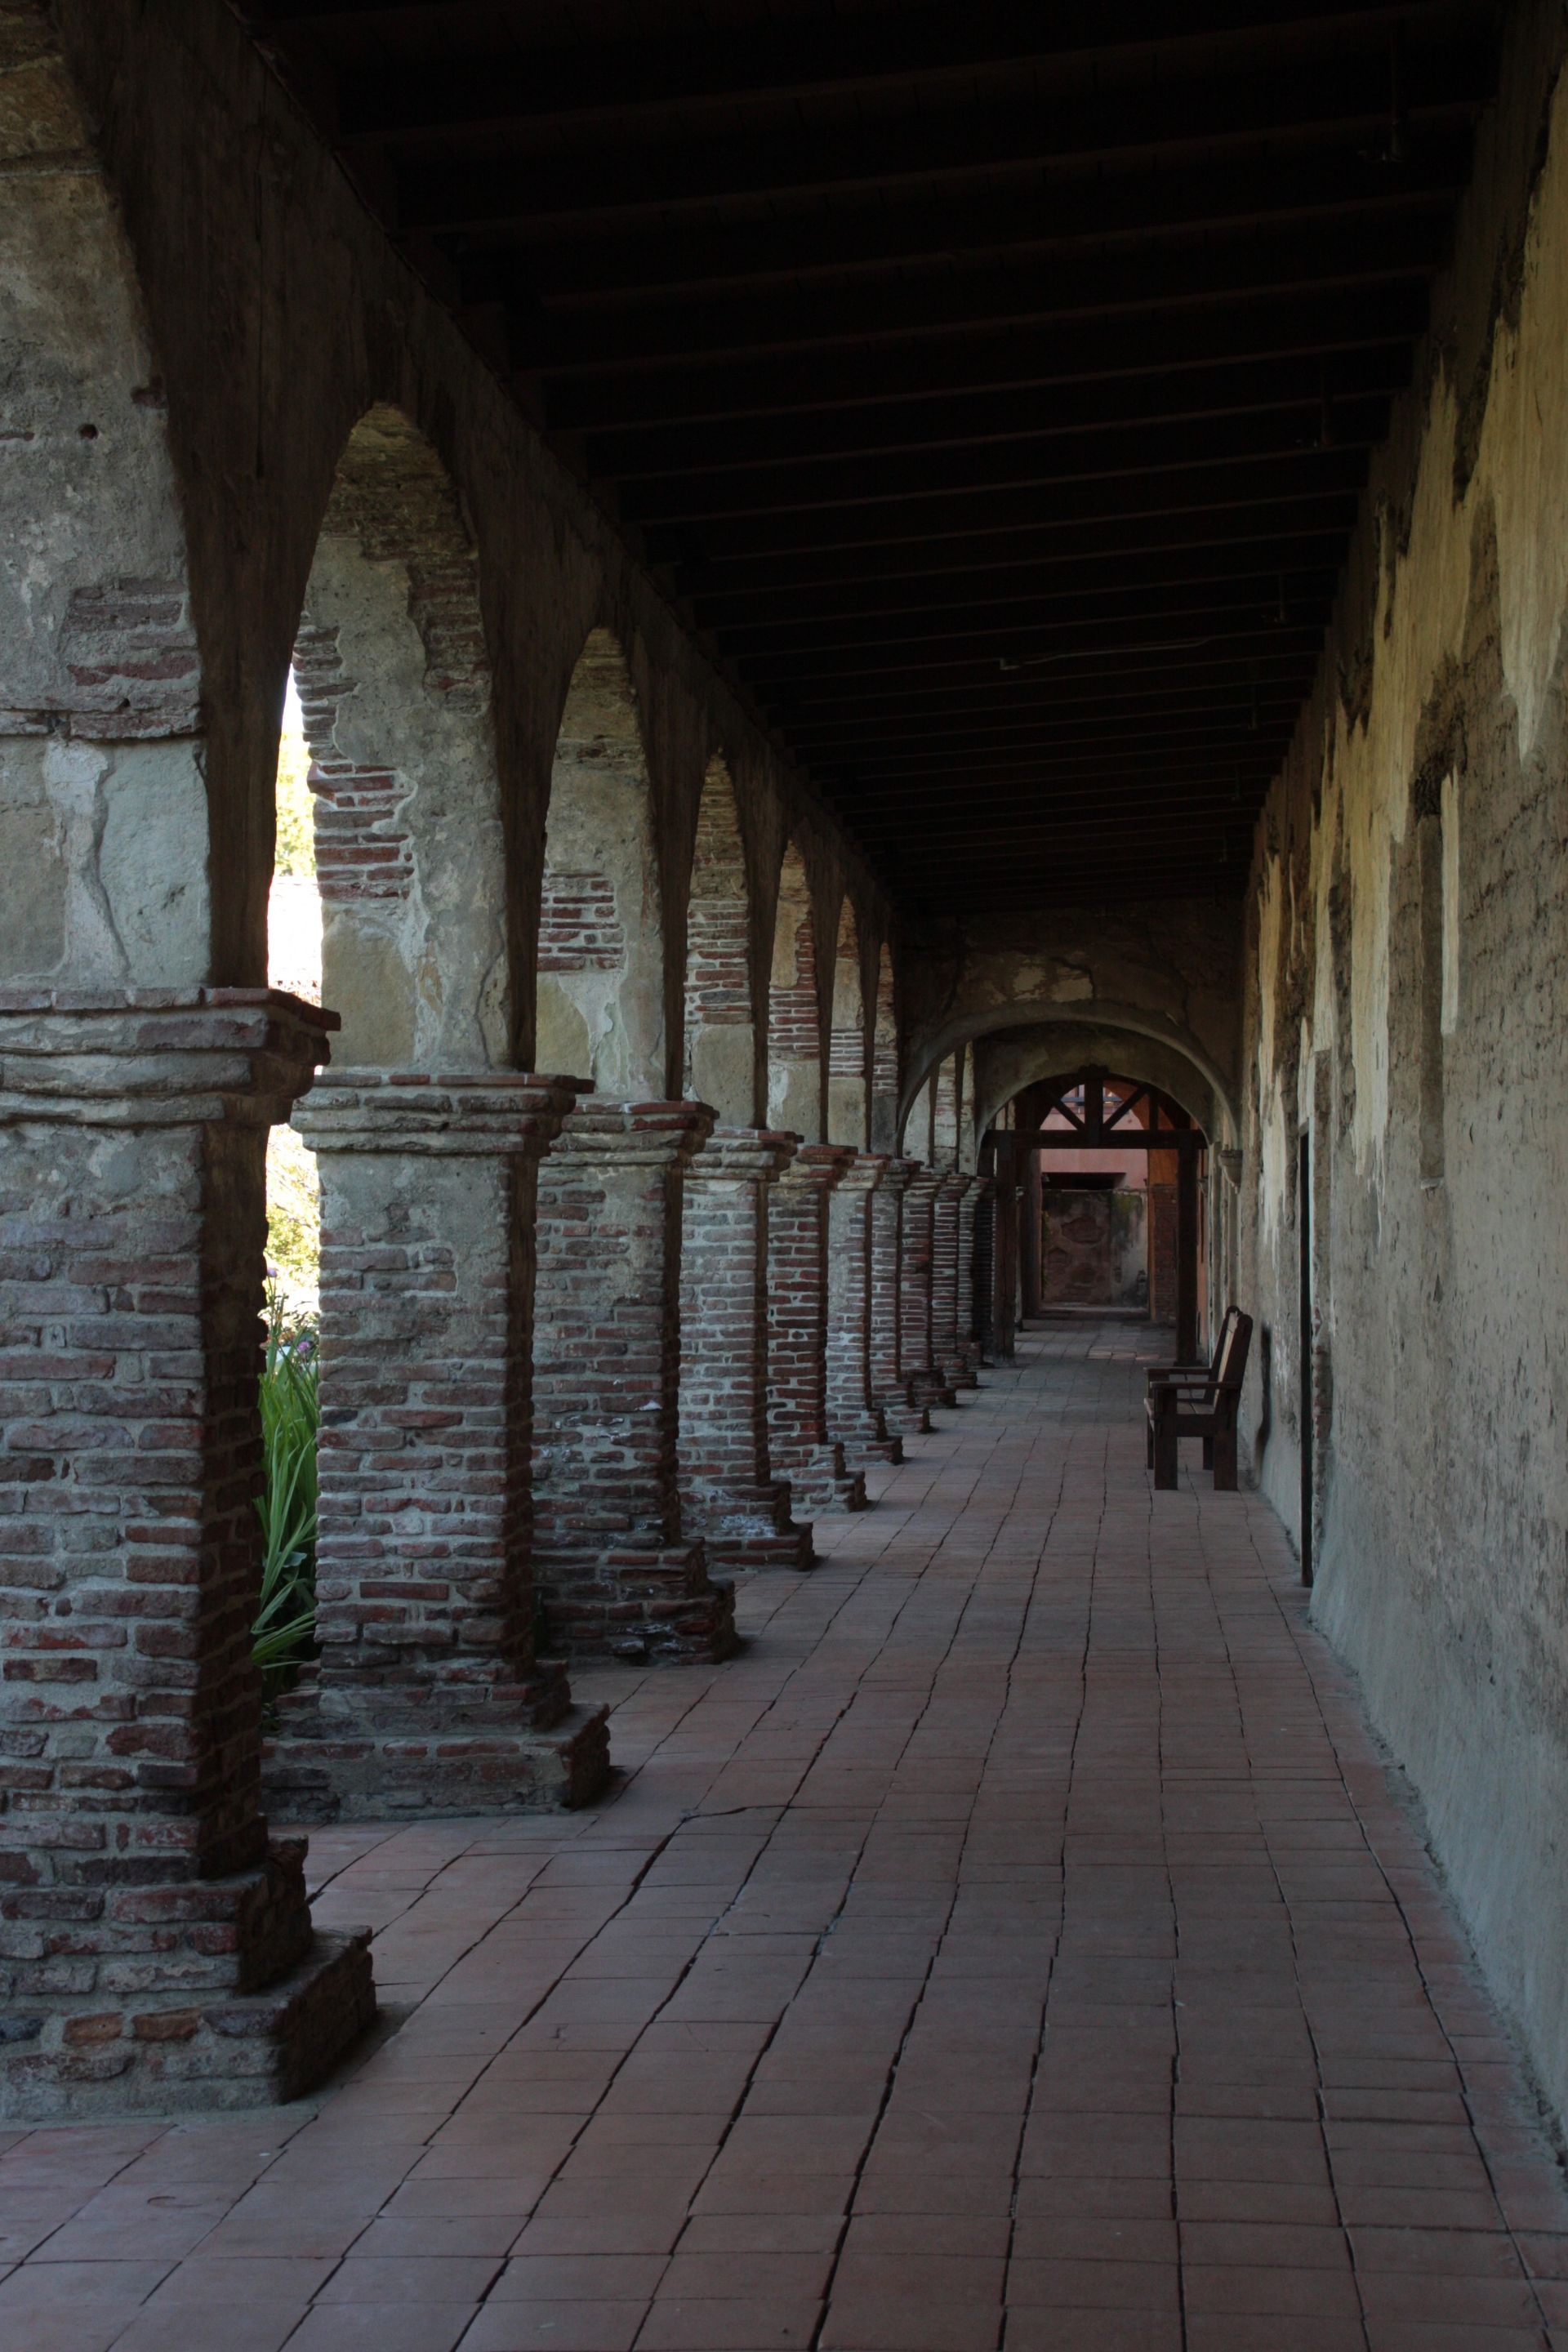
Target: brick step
[[162, 2053], [328, 1769]]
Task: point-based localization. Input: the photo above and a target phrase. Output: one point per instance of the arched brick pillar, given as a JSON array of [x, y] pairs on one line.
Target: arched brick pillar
[[427, 1690], [721, 1040], [950, 1317], [616, 1569], [159, 1949], [849, 1042], [884, 1058], [795, 1074]]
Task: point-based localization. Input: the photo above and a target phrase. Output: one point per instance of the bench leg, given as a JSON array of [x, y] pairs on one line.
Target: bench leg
[[1149, 1434], [1166, 1465], [1208, 1453], [1222, 1447]]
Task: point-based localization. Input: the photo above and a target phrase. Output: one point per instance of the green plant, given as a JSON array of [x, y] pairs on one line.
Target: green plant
[[291, 1402]]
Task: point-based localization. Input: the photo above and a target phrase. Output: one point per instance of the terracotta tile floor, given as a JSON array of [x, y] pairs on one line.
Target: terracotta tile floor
[[1020, 1946]]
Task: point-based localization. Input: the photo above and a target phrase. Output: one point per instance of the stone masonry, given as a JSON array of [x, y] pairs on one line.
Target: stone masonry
[[157, 1947], [429, 1693], [799, 1445], [615, 1574]]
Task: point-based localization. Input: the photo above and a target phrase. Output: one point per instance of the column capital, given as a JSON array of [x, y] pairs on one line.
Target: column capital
[[728, 1153], [823, 1165], [898, 1174], [634, 1134], [865, 1172], [924, 1182], [148, 1057], [446, 1113]]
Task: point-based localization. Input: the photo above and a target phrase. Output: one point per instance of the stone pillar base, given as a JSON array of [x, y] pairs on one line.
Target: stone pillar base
[[157, 2036], [758, 1531], [525, 1751], [643, 1607], [822, 1481]]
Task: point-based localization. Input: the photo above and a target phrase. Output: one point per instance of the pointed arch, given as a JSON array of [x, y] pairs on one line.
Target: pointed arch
[[795, 1008], [884, 1058], [720, 1063], [395, 693], [600, 1004], [849, 1044]]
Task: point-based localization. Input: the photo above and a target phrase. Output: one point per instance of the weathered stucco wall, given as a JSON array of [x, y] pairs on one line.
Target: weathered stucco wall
[[1407, 994], [191, 328]]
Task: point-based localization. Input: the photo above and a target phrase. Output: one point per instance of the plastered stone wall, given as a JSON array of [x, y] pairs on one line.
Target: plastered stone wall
[[1404, 1012]]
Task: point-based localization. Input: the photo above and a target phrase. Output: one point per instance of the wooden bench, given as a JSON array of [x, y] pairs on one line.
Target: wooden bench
[[1200, 1404]]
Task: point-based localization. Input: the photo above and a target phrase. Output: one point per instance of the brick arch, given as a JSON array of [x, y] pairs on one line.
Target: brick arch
[[395, 690], [600, 1012], [884, 1057], [848, 1060], [720, 1060], [795, 1008]]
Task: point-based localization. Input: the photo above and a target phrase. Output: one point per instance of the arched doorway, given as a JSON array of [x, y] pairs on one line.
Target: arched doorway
[[1102, 1171]]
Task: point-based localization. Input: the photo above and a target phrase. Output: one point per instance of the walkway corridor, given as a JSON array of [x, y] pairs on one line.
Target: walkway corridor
[[1020, 1946]]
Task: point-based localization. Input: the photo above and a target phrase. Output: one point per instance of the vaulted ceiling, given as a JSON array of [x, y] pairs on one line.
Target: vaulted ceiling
[[994, 382]]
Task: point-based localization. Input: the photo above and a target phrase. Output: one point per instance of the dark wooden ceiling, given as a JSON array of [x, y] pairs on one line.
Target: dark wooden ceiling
[[992, 382]]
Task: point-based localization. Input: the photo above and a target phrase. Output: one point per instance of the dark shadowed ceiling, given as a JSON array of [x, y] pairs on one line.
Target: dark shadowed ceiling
[[993, 382]]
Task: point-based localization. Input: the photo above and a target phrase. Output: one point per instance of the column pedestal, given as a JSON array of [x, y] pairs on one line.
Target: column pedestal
[[158, 1948], [928, 1381], [428, 1694], [854, 1417], [729, 1494], [947, 1297], [799, 1445], [891, 1389], [615, 1574]]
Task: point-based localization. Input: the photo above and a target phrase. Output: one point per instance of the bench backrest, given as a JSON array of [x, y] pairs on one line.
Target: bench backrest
[[1230, 1356]]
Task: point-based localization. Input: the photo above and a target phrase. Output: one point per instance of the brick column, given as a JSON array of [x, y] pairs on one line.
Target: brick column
[[974, 1270], [891, 1389], [429, 1693], [158, 1949], [613, 1571], [917, 1363], [947, 1297], [729, 1495], [798, 1443], [854, 1417]]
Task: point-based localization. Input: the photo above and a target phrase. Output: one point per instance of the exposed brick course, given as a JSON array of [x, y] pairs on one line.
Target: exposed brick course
[[949, 1304], [854, 1417], [729, 1494], [891, 1389], [157, 1950], [799, 1443], [612, 1565], [916, 1361], [429, 1693]]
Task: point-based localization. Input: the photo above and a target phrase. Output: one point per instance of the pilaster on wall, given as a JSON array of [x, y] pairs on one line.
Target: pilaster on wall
[[928, 1381], [950, 1300], [799, 1445], [428, 1693], [891, 1389], [729, 1494], [614, 1573], [854, 1417], [159, 1949]]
